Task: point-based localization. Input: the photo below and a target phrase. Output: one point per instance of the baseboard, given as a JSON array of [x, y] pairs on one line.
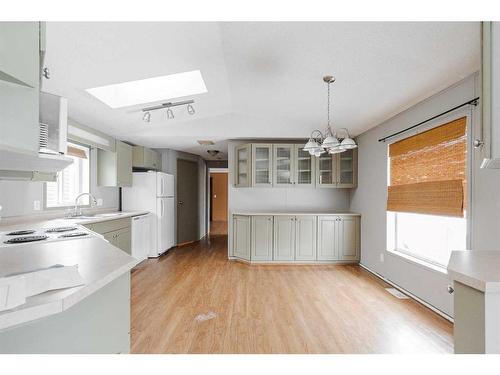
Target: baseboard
[[294, 263], [409, 294]]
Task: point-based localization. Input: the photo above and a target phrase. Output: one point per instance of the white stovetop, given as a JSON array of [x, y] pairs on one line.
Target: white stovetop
[[477, 269]]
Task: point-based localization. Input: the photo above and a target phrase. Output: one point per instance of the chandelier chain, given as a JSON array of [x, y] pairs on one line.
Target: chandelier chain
[[328, 111]]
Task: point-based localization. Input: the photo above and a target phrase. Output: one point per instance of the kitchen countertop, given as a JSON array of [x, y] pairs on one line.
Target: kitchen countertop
[[475, 268], [297, 213], [98, 261]]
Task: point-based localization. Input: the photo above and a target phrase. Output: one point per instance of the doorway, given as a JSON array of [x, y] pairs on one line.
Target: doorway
[[188, 223], [218, 203]]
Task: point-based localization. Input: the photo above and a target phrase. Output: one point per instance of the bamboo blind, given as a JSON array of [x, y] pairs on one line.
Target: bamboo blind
[[427, 171], [77, 152]]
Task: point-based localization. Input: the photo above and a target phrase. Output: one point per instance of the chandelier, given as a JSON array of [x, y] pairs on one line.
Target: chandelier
[[329, 141]]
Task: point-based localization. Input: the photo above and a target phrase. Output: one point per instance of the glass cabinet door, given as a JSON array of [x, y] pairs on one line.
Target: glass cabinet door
[[325, 171], [262, 164], [304, 166], [346, 167], [242, 178], [283, 164]]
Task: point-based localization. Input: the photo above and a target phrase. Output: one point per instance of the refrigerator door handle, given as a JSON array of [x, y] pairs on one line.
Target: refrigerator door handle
[[161, 210]]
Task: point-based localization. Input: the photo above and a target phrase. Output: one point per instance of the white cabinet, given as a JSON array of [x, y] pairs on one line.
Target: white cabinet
[[262, 164], [242, 170], [262, 238], [283, 165], [327, 238], [305, 237], [305, 171], [241, 236], [284, 238]]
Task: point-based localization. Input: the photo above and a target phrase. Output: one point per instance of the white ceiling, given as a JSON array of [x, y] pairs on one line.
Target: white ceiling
[[264, 79]]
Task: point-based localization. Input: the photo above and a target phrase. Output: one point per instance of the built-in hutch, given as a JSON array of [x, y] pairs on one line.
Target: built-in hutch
[[289, 165], [295, 238]]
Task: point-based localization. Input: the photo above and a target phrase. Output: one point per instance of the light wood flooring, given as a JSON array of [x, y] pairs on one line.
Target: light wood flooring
[[193, 300]]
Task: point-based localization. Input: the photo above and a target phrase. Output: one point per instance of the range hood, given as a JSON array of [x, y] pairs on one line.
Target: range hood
[[18, 164]]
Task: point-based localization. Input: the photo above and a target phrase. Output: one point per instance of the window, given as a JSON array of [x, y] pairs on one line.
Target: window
[[426, 200], [71, 181]]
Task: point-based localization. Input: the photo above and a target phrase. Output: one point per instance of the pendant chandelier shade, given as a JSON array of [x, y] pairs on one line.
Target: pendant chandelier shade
[[319, 143]]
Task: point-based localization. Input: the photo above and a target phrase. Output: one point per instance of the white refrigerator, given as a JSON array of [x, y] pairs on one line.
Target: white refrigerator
[[154, 192]]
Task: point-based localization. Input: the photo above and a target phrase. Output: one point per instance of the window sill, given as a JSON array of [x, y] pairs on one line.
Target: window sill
[[419, 262]]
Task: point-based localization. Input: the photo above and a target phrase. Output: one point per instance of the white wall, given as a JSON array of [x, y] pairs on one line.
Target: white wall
[[370, 197], [169, 165], [16, 197], [280, 199]]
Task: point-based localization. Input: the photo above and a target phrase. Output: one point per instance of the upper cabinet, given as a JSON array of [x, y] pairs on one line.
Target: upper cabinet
[[19, 86], [242, 169], [289, 165], [115, 168], [145, 158]]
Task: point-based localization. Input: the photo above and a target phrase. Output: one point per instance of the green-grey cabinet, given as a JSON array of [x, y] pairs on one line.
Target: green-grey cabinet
[[326, 170], [118, 232], [305, 237], [327, 238], [145, 158], [283, 165], [305, 167], [262, 238], [243, 165], [262, 164], [284, 238], [241, 236], [347, 169], [19, 86], [115, 168]]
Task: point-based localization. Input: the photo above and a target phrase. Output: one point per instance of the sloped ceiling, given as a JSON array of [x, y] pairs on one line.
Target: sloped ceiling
[[264, 79]]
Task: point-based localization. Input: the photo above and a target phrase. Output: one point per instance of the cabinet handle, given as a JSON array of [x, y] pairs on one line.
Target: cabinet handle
[[450, 289], [46, 73]]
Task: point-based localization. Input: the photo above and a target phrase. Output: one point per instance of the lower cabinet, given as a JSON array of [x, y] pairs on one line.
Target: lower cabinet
[[296, 238], [284, 238], [262, 238], [241, 236], [117, 232]]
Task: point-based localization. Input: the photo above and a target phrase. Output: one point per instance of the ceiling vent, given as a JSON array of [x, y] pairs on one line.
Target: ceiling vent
[[206, 142]]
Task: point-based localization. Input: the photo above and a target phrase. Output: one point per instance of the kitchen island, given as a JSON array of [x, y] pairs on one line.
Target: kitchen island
[[91, 318]]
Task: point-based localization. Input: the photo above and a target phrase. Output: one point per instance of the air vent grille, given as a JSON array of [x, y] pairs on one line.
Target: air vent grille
[[44, 136]]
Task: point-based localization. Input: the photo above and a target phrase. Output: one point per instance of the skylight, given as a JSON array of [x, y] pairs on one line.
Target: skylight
[[150, 89]]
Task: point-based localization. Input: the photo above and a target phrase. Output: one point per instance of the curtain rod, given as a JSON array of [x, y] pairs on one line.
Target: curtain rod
[[473, 102]]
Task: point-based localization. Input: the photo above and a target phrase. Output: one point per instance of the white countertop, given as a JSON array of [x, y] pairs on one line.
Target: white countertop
[[296, 213], [475, 268], [98, 261]]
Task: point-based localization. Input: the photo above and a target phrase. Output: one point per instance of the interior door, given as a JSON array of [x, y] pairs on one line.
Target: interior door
[[219, 196], [188, 226]]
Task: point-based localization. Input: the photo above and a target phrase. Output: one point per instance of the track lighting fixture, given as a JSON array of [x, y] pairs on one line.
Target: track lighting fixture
[[146, 117], [190, 109], [170, 114], [168, 106]]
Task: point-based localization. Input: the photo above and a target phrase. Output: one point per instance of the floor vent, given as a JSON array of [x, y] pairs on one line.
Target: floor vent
[[396, 293]]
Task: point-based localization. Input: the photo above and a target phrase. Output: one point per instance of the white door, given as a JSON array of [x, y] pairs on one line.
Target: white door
[[284, 238], [305, 237], [327, 238], [262, 238], [162, 225], [347, 229], [241, 237]]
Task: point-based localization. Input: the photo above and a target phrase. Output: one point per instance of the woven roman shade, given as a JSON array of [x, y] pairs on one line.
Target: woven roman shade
[[77, 152], [427, 171]]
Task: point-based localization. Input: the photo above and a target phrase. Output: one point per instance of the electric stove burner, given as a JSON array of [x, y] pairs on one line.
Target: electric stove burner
[[21, 232], [70, 235], [26, 239], [60, 229]]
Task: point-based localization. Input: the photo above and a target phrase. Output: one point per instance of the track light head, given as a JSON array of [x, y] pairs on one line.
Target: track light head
[[170, 114], [190, 109], [146, 117]]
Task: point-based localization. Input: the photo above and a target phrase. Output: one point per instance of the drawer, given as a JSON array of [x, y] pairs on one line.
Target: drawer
[[109, 225]]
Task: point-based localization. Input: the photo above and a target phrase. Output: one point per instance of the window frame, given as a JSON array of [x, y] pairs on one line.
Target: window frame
[[64, 207], [423, 261]]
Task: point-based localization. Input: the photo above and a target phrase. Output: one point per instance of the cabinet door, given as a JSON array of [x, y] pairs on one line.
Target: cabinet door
[[242, 166], [283, 163], [284, 238], [326, 168], [241, 236], [111, 237], [304, 167], [262, 238], [123, 164], [262, 164], [348, 234], [157, 160], [305, 237], [327, 238], [149, 158], [347, 168], [20, 53], [124, 240]]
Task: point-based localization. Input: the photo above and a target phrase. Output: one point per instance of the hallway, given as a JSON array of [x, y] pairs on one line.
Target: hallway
[[193, 300]]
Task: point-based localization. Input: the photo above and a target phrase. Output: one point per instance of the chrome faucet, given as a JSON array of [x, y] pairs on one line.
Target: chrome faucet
[[76, 210]]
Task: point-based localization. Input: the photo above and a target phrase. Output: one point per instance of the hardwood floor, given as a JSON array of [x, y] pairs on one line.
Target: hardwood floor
[[193, 300]]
